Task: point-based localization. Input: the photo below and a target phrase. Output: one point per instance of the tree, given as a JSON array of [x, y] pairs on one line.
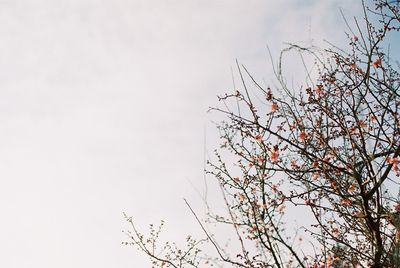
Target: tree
[[329, 148]]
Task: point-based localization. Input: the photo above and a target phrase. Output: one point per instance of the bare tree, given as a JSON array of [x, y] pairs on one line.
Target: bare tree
[[328, 149]]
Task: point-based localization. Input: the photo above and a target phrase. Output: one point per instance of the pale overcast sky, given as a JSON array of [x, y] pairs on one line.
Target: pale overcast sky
[[103, 108]]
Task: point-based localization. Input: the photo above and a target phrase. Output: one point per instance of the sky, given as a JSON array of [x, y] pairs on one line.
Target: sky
[[103, 110]]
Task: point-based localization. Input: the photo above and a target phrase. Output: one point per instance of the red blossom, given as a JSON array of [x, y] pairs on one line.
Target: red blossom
[[351, 188], [308, 202], [269, 94], [334, 185], [394, 162], [397, 207], [302, 136], [314, 164], [258, 138], [316, 175], [362, 124], [274, 187], [335, 232], [274, 107], [318, 89], [274, 155], [377, 63], [346, 202]]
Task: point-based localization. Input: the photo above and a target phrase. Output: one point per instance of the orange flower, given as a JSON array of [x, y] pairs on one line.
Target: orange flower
[[258, 138], [377, 63], [274, 107]]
